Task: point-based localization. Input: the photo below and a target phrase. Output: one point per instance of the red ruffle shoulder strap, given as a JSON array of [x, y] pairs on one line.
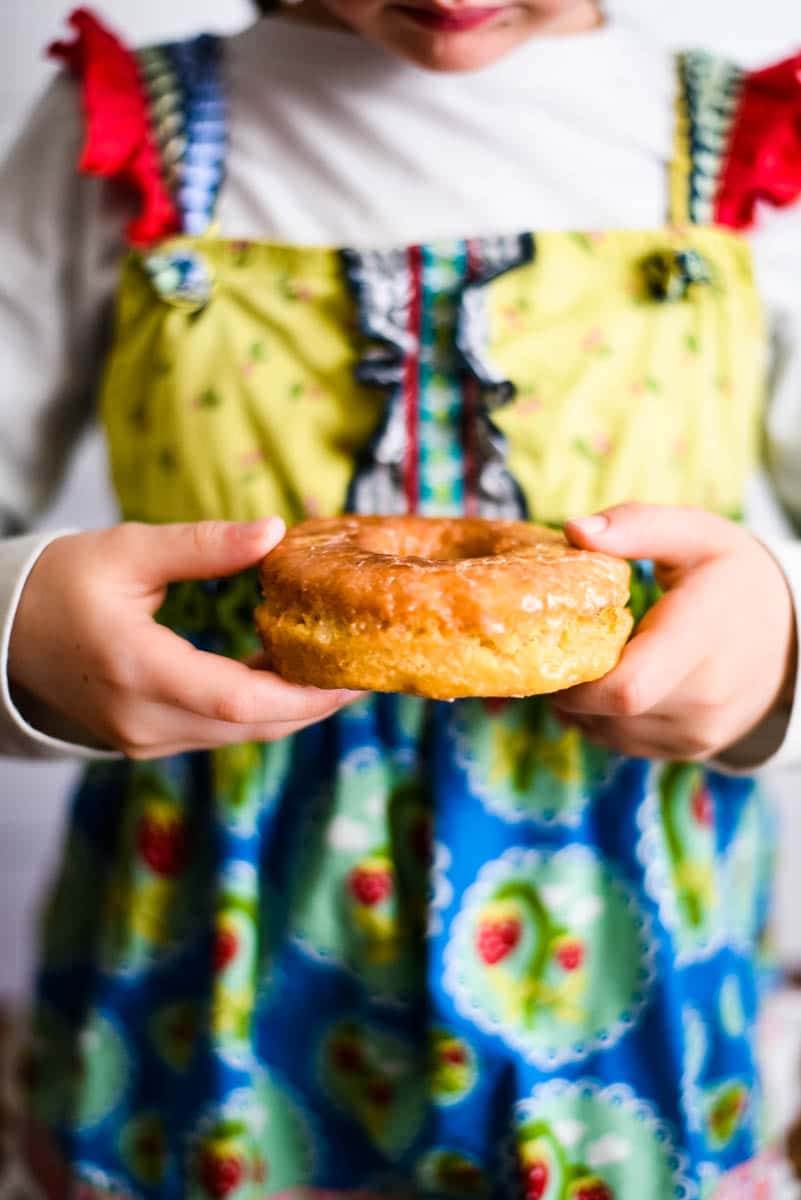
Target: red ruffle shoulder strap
[[120, 140], [763, 162]]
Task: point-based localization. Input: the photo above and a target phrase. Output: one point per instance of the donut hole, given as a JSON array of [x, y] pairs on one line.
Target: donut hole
[[436, 543]]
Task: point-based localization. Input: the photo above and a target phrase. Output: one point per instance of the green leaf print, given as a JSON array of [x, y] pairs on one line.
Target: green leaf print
[[583, 241], [209, 399], [582, 447]]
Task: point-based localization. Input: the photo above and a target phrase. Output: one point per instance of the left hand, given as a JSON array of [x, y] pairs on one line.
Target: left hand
[[713, 657]]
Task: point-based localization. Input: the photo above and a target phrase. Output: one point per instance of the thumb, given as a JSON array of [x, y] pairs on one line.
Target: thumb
[[675, 537], [162, 554]]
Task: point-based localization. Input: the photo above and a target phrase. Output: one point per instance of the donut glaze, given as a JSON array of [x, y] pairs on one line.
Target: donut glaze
[[440, 607]]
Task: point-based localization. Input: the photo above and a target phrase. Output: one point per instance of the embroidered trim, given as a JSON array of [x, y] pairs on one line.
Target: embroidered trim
[[382, 285], [710, 90], [681, 165], [188, 113], [411, 383], [424, 311], [162, 88], [198, 66], [491, 489], [489, 258], [155, 119], [441, 401]]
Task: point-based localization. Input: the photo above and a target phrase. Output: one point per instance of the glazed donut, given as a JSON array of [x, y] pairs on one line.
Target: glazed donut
[[440, 607]]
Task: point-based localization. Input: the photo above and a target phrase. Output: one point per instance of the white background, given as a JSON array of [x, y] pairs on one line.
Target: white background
[[32, 798]]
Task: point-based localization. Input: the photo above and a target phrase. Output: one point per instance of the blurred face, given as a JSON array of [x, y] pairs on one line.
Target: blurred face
[[451, 35]]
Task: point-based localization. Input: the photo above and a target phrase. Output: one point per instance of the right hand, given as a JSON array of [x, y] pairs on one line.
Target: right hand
[[86, 643]]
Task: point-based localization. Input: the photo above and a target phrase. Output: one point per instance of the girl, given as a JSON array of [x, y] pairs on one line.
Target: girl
[[369, 944]]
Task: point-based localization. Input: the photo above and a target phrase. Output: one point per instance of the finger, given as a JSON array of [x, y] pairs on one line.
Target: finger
[[222, 689], [157, 730], [680, 537], [639, 738], [259, 661], [671, 643], [200, 734], [199, 550]]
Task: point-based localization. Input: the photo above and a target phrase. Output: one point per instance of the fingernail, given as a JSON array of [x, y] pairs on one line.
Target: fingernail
[[272, 527], [594, 524]]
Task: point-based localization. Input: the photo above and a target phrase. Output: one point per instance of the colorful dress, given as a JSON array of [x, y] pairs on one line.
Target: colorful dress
[[420, 949]]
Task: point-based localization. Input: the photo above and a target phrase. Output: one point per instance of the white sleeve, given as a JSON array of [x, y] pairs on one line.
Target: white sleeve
[[776, 742], [61, 242], [29, 728]]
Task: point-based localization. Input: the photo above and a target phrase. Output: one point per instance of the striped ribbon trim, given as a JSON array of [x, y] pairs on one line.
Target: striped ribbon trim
[[187, 106]]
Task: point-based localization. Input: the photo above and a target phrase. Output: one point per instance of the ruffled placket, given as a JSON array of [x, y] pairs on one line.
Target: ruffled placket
[[424, 314]]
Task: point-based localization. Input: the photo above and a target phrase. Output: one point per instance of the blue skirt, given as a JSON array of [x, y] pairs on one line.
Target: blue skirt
[[421, 949]]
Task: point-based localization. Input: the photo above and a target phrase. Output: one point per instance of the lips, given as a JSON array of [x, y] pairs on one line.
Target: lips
[[448, 20]]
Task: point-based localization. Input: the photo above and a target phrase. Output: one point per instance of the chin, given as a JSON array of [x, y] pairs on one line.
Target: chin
[[447, 52]]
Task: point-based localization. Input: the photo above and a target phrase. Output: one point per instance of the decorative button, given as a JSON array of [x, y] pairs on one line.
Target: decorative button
[[181, 277], [669, 274]]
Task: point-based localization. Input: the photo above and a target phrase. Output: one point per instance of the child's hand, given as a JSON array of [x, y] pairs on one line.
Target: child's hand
[[711, 659], [85, 642]]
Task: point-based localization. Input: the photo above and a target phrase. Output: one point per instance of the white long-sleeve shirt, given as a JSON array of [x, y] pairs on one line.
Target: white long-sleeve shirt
[[335, 142]]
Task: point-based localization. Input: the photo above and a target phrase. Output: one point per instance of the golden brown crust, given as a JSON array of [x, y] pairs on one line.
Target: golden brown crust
[[440, 607]]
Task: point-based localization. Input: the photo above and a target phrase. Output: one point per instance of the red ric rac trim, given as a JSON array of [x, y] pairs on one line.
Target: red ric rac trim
[[470, 406], [119, 137], [764, 160], [411, 383]]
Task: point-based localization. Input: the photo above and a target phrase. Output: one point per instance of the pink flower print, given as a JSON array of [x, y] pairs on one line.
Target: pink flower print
[[595, 447], [256, 355], [594, 342], [241, 252], [648, 384], [297, 289], [587, 241], [513, 316], [251, 458], [210, 398], [306, 391], [529, 403], [601, 444]]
